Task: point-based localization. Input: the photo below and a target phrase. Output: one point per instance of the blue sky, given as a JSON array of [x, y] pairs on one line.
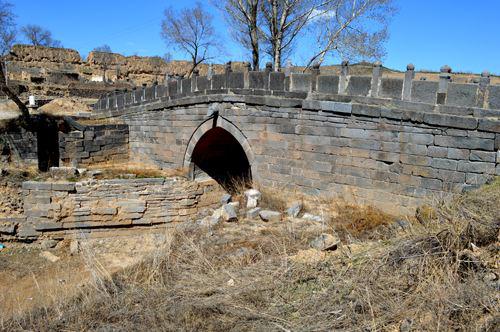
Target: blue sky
[[429, 33]]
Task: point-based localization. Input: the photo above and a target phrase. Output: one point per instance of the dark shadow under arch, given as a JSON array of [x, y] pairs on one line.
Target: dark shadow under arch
[[219, 154]]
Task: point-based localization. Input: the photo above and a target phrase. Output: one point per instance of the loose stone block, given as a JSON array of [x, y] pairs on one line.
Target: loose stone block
[[33, 185], [253, 213], [268, 215], [8, 225]]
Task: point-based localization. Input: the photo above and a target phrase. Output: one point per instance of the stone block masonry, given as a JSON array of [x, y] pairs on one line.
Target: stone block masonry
[[369, 139], [63, 208], [95, 144]]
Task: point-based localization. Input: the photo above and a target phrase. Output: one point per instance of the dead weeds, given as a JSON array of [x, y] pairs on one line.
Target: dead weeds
[[439, 274]]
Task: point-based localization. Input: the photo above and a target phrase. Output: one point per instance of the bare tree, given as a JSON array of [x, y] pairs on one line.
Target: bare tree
[[353, 29], [284, 21], [191, 31], [243, 18], [167, 57], [106, 58], [38, 36], [7, 27]]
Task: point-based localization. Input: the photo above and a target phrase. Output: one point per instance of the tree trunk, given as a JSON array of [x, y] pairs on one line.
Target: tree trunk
[[277, 56], [254, 37], [255, 54]]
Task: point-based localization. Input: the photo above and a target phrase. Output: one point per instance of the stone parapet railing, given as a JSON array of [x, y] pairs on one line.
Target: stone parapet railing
[[445, 92]]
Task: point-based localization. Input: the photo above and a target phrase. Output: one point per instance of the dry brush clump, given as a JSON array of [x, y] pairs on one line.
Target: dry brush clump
[[439, 273]]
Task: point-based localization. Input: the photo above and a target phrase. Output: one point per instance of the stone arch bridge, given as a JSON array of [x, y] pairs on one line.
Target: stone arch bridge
[[371, 139]]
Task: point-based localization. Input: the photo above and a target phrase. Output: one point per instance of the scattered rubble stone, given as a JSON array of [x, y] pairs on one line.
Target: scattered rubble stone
[[312, 217], [294, 210], [405, 325], [268, 215], [7, 226], [48, 244], [49, 256], [236, 205], [225, 199], [63, 172], [253, 197], [210, 221], [325, 242], [74, 247], [228, 213], [253, 213]]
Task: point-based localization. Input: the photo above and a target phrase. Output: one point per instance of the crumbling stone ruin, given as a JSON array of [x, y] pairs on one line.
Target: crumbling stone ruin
[[48, 72], [392, 142]]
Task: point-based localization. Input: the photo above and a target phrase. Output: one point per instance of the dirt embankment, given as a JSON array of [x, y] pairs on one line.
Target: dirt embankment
[[435, 271]]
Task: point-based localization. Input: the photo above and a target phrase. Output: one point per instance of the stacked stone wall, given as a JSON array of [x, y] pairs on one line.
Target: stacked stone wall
[[21, 145], [59, 209], [95, 144]]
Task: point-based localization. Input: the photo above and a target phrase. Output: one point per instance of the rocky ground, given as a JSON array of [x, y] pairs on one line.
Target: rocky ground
[[353, 269]]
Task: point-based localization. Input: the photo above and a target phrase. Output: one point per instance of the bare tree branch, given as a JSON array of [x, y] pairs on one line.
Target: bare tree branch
[[353, 29], [38, 36], [192, 32], [105, 57], [7, 27], [243, 19]]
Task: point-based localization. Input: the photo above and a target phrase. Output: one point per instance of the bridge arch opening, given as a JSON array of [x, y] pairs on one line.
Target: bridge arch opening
[[219, 154]]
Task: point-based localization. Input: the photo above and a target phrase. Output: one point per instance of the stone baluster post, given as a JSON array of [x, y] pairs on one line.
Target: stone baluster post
[[134, 99], [315, 71], [246, 76], [444, 79], [116, 98], [376, 75], [344, 73], [288, 68], [155, 87], [125, 91], [408, 81], [484, 81], [143, 97], [228, 70], [179, 83], [194, 80], [210, 71], [107, 101], [267, 71]]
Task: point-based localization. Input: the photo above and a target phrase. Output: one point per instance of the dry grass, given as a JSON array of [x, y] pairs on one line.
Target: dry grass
[[435, 275]]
